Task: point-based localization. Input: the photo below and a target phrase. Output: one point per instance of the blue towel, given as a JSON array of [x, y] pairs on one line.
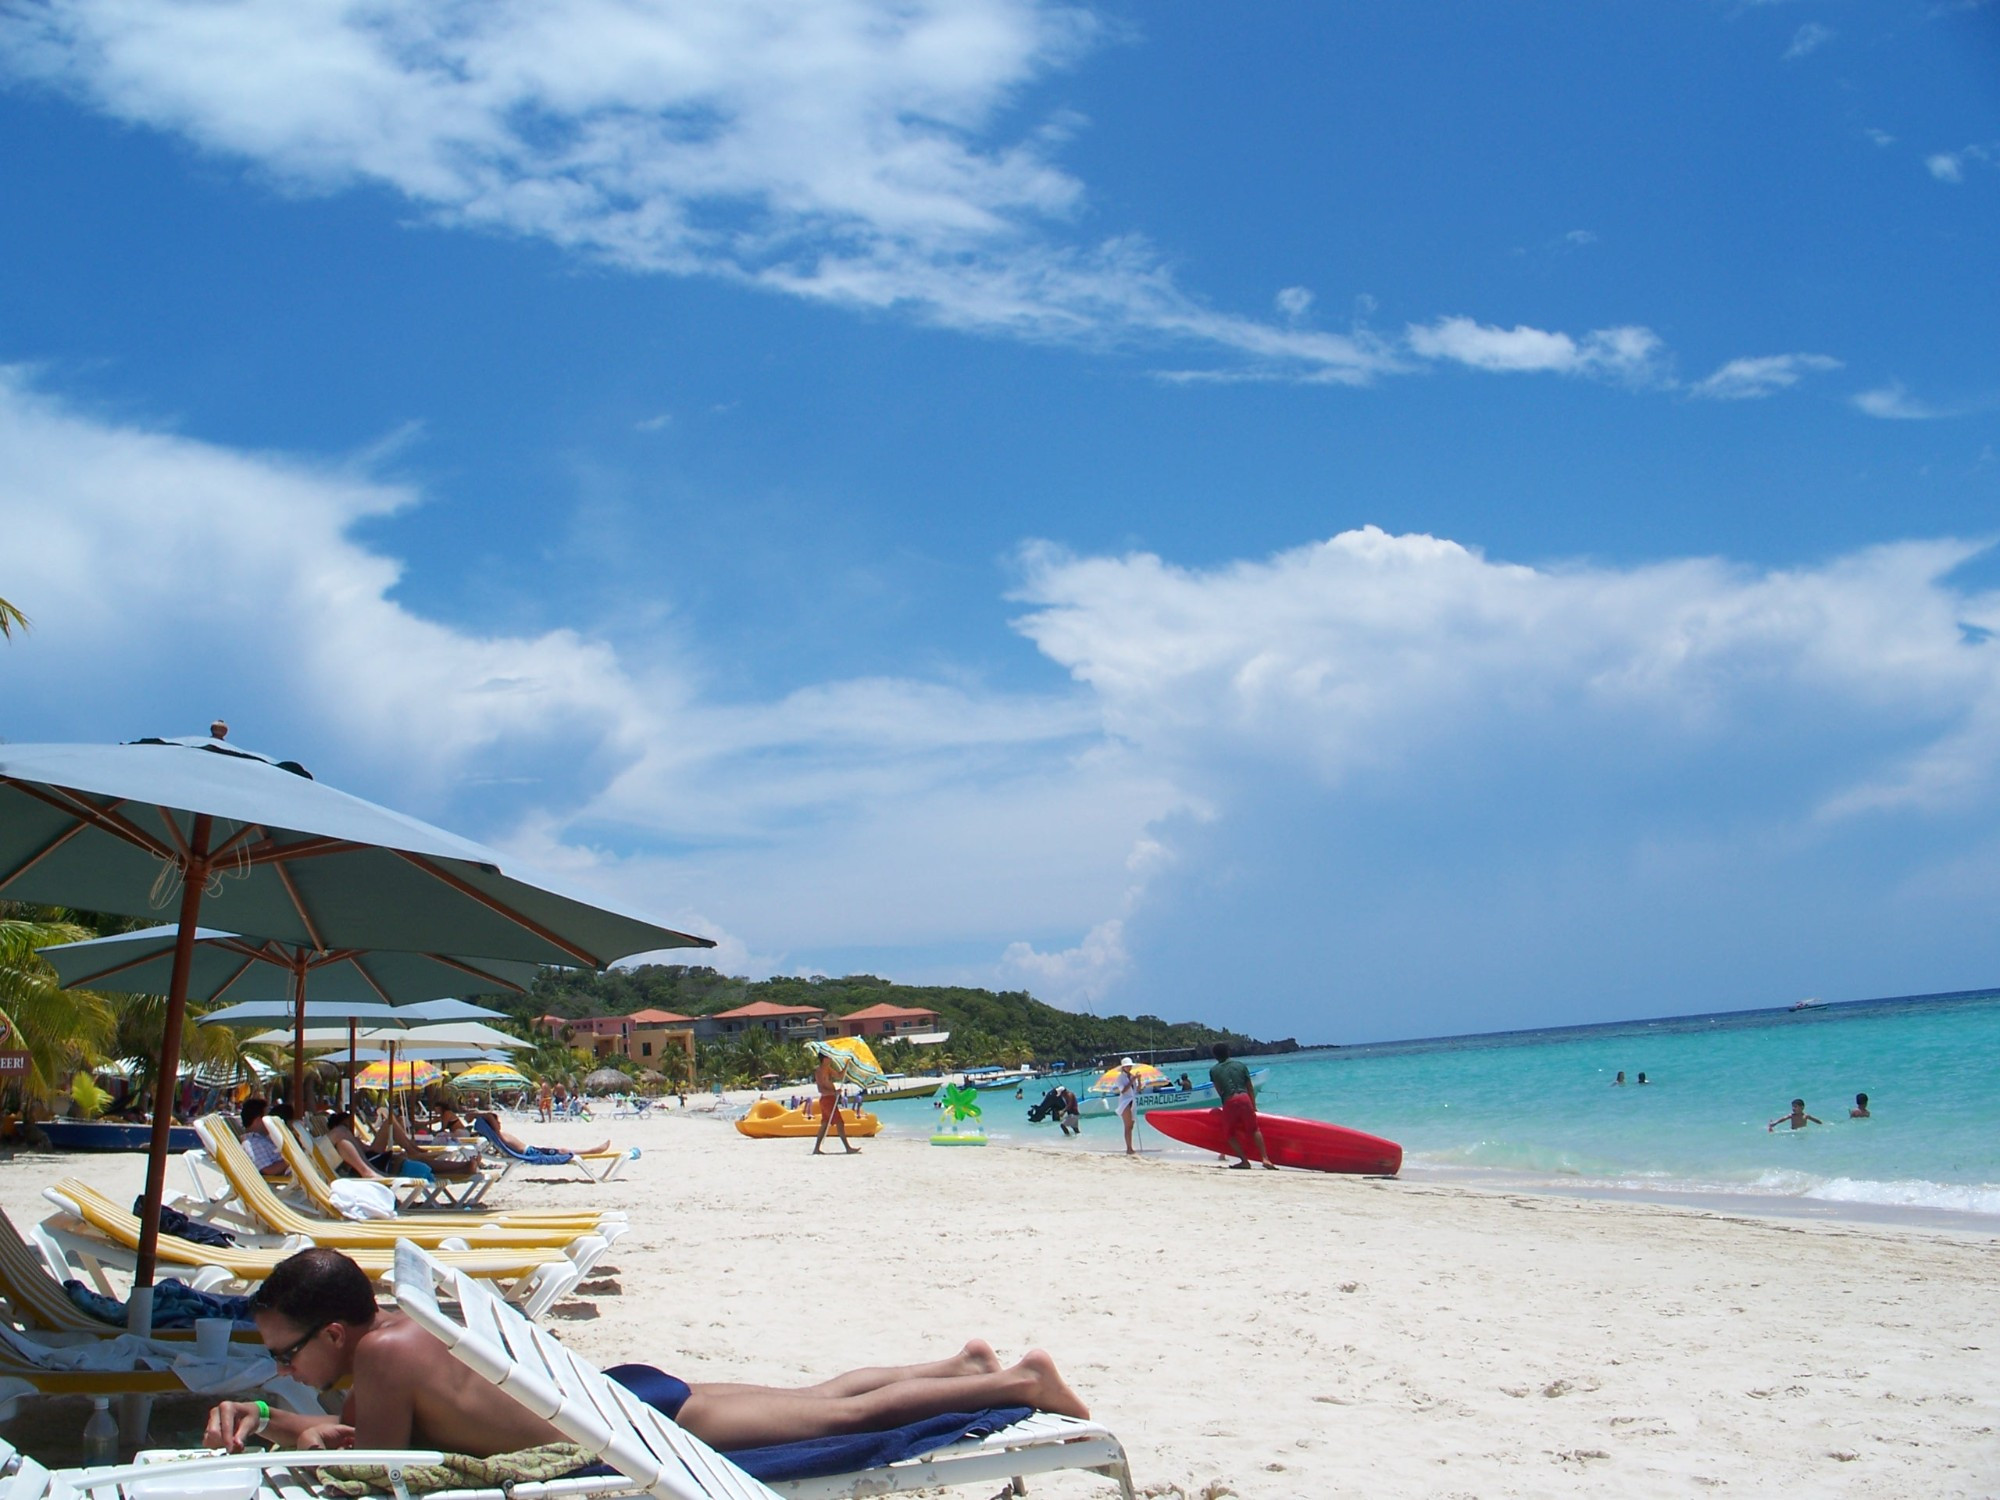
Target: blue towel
[[534, 1156], [816, 1457], [175, 1305], [870, 1450]]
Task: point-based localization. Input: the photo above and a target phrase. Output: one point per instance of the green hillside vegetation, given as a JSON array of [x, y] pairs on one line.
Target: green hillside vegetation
[[1010, 1027]]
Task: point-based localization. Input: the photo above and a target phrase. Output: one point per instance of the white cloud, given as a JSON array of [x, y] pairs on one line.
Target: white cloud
[[844, 153], [1353, 655], [1294, 302], [1950, 166], [1808, 39], [1879, 137], [1763, 375], [173, 580], [1617, 353], [861, 153], [1892, 403], [1074, 978], [1702, 716]]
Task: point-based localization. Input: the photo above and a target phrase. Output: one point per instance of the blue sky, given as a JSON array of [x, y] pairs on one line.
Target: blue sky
[[1356, 521]]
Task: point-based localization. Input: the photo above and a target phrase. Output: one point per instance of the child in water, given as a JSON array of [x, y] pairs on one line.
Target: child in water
[[1860, 1110], [1798, 1117]]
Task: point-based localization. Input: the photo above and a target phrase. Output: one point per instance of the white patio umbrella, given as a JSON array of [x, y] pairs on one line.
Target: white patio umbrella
[[270, 853]]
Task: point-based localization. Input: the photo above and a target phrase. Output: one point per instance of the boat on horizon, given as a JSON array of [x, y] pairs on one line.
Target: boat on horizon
[[1811, 1002]]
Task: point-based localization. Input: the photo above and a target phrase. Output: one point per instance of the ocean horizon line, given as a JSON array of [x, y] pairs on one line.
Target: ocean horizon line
[[1584, 1027]]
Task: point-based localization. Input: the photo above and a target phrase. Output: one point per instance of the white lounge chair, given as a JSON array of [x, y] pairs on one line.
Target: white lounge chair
[[595, 1166], [593, 1410], [91, 1235]]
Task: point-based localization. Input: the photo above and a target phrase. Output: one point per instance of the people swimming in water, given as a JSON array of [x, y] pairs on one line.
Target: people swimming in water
[[1860, 1110], [1642, 1078], [1619, 1081], [1798, 1119]]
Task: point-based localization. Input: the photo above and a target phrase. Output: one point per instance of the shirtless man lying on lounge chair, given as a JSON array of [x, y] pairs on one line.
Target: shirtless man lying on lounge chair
[[317, 1316]]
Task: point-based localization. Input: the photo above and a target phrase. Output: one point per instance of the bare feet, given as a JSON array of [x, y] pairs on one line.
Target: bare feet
[[1047, 1390], [978, 1358]]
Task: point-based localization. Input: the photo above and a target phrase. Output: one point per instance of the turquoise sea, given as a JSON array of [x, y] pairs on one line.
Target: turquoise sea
[[1539, 1109]]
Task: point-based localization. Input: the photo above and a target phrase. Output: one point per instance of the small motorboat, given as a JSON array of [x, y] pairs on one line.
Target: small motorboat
[[113, 1135], [1166, 1095], [1811, 1002]]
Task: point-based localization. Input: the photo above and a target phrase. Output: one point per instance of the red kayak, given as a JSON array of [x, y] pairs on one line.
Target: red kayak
[[1315, 1145]]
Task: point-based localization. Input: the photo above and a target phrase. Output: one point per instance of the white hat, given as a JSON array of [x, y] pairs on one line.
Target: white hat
[[1126, 1062]]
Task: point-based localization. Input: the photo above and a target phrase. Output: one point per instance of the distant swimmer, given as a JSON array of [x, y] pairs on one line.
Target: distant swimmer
[[1798, 1119], [1619, 1081], [1642, 1078], [1860, 1110]]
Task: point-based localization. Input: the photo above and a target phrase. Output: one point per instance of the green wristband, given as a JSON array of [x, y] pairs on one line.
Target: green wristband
[[263, 1417]]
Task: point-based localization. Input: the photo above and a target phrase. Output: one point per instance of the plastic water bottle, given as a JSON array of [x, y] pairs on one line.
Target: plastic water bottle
[[100, 1434]]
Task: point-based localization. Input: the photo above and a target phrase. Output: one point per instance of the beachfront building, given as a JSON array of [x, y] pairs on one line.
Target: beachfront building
[[885, 1023], [643, 1036], [785, 1023]]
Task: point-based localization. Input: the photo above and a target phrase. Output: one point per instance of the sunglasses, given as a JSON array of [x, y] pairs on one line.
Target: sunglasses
[[283, 1358]]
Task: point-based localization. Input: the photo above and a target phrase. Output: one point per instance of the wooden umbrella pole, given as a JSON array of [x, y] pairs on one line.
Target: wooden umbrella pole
[[166, 1081], [299, 1034]]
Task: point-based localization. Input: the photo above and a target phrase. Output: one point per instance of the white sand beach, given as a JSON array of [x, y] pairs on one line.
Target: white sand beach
[[1281, 1335]]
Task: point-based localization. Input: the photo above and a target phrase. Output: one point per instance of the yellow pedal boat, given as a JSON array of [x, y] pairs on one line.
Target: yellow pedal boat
[[769, 1119]]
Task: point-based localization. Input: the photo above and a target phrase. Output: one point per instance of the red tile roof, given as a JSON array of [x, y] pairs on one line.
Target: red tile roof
[[761, 1008], [886, 1013], [658, 1018]]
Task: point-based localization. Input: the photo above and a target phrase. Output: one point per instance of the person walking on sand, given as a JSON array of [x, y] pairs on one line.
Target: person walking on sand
[[1798, 1118], [317, 1316], [1126, 1101], [827, 1076], [1239, 1109]]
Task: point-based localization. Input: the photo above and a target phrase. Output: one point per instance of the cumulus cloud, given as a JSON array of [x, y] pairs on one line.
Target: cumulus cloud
[[1750, 378], [1808, 39], [1288, 727], [1351, 655], [1631, 354], [174, 580]]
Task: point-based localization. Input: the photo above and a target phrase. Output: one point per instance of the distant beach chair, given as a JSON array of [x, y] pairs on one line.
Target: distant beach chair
[[593, 1410], [90, 1235], [596, 1166], [317, 1189], [270, 1214]]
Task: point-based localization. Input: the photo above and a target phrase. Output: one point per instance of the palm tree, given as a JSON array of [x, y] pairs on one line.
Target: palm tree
[[139, 1029], [60, 1030], [9, 618]]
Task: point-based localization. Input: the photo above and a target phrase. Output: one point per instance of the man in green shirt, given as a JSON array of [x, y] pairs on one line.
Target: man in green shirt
[[1239, 1109]]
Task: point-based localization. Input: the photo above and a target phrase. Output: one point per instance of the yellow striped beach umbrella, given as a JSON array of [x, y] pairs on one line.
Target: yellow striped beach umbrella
[[410, 1073], [854, 1058]]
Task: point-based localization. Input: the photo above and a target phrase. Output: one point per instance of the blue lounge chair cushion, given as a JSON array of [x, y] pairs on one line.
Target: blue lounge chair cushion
[[812, 1459], [534, 1156]]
